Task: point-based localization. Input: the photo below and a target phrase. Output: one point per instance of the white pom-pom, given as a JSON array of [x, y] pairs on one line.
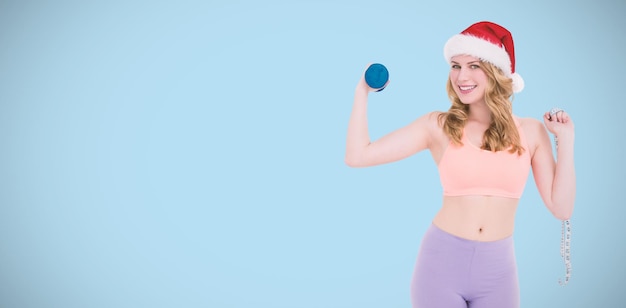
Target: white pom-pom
[[518, 83]]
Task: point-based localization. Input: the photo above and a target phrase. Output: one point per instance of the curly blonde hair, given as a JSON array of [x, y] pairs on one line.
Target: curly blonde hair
[[502, 133]]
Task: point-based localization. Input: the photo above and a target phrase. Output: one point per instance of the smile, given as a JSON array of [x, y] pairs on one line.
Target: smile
[[467, 88]]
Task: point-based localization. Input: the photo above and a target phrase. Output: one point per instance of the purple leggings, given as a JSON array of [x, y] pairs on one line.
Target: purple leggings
[[455, 272]]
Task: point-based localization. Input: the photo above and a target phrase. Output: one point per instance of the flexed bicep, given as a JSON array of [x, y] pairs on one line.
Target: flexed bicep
[[396, 145]]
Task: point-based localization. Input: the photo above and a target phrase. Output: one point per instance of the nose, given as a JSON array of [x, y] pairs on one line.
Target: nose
[[463, 74]]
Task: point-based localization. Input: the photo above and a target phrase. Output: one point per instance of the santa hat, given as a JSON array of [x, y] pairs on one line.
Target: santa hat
[[489, 42]]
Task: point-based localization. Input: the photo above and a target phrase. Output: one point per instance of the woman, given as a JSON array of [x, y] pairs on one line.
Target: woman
[[484, 154]]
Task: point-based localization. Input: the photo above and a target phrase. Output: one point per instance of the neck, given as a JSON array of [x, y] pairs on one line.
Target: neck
[[479, 113]]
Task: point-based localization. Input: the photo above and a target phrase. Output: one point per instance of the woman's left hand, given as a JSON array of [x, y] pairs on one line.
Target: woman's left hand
[[559, 124]]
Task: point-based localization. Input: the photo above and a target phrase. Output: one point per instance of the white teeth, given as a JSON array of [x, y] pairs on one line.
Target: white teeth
[[467, 88]]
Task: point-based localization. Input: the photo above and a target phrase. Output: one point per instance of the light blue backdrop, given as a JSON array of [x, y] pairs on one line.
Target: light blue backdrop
[[190, 153]]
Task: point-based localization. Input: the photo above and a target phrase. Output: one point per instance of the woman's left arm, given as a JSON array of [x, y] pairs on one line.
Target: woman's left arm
[[556, 181]]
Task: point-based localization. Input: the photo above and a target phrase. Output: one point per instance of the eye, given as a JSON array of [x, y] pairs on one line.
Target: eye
[[456, 66], [474, 66]]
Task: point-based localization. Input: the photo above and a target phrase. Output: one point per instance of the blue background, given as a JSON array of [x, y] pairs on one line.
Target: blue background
[[190, 153]]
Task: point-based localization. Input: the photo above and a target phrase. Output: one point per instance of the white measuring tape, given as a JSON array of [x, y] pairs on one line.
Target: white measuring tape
[[566, 241], [566, 245]]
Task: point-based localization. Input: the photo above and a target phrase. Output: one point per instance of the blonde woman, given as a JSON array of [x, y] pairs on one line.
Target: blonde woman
[[484, 154]]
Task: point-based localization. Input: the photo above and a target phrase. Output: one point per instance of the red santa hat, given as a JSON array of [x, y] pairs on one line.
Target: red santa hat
[[489, 42]]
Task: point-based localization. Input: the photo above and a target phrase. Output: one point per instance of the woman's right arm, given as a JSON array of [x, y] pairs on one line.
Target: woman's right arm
[[399, 144]]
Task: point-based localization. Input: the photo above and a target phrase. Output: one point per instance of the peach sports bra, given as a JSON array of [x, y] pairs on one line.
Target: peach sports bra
[[469, 170]]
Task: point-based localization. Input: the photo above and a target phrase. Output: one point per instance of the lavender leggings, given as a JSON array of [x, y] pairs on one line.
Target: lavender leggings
[[454, 272]]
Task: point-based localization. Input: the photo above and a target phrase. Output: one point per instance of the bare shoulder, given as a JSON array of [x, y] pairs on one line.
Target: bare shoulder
[[530, 125], [429, 121], [533, 130], [429, 125], [434, 121]]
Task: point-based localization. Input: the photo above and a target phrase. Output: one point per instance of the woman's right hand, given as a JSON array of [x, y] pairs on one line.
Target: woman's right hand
[[362, 85]]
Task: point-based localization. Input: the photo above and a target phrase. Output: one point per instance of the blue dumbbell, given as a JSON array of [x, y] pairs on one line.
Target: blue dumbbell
[[376, 76]]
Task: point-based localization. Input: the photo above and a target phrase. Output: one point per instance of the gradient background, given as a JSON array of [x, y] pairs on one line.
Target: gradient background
[[190, 153]]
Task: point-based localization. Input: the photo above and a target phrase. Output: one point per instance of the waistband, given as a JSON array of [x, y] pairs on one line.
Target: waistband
[[442, 236]]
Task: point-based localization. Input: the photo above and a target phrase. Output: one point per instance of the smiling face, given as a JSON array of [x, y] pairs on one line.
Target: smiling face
[[468, 79]]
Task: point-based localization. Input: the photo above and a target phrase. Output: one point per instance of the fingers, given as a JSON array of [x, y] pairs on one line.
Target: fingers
[[547, 117], [559, 117]]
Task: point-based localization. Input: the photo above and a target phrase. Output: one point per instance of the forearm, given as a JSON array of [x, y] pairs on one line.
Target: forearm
[[564, 185], [358, 136]]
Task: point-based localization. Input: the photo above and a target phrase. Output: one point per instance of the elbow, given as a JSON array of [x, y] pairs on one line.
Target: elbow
[[351, 159], [352, 163], [563, 214], [357, 156]]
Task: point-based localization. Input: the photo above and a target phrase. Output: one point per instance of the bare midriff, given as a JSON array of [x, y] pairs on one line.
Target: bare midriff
[[477, 218]]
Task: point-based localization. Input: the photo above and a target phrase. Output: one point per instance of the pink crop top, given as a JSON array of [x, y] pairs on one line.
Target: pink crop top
[[469, 170]]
